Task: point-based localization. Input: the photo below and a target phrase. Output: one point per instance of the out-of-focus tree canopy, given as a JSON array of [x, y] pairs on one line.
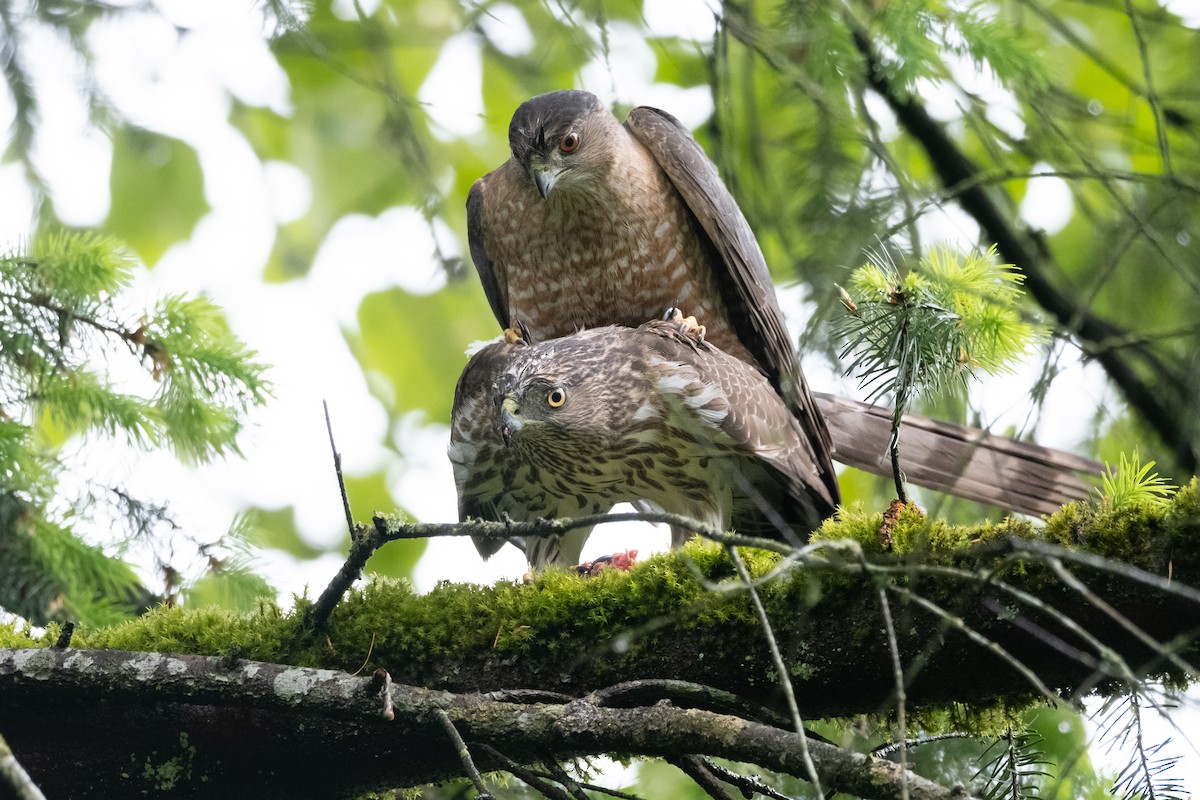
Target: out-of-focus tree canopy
[[1066, 132]]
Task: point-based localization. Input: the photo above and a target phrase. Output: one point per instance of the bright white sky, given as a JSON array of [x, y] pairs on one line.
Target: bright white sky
[[183, 87]]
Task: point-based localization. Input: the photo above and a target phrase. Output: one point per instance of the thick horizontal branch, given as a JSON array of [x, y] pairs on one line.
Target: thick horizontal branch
[[241, 728], [981, 614]]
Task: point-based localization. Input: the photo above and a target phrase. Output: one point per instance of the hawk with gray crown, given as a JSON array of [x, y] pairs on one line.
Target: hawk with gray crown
[[592, 223]]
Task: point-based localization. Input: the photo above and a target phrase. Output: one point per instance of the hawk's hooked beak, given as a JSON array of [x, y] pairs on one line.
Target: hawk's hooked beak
[[510, 418], [546, 177]]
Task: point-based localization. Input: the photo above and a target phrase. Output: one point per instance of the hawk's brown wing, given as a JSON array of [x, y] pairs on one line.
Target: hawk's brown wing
[[746, 285], [782, 473], [495, 285]]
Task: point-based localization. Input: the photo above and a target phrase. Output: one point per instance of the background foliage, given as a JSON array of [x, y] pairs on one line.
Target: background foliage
[[1065, 130]]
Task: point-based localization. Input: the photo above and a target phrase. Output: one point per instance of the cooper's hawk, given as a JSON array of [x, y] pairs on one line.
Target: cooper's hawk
[[574, 425], [592, 222]]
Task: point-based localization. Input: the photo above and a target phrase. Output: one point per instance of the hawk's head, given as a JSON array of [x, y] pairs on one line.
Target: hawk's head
[[563, 139], [562, 397]]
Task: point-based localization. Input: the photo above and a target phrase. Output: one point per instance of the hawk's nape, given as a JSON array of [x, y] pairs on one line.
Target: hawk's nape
[[575, 425]]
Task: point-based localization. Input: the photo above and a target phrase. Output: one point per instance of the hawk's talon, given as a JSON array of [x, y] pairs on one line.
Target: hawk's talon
[[516, 333], [685, 325]]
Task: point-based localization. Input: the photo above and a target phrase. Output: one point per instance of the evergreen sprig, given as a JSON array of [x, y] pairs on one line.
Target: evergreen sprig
[[1148, 772], [1132, 483], [913, 37], [67, 350], [1012, 766], [921, 330]]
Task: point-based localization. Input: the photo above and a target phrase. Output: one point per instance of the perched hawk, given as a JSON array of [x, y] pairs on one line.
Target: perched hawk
[[594, 223], [575, 425]]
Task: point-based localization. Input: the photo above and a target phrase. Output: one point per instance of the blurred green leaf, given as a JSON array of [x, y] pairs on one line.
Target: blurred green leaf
[[398, 344], [157, 191]]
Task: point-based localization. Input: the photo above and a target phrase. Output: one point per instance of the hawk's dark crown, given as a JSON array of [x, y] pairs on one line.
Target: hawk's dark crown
[[546, 118]]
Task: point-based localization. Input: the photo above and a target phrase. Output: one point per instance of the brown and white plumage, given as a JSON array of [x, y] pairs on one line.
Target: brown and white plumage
[[647, 414], [592, 223], [632, 220]]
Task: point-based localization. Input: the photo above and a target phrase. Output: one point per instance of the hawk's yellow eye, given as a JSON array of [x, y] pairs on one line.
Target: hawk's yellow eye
[[556, 397], [569, 142]]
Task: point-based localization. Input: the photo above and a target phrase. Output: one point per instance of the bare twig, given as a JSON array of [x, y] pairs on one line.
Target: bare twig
[[14, 780], [364, 541], [390, 529], [464, 755], [337, 468], [1070, 580], [1128, 571], [885, 750], [534, 779], [785, 679], [898, 674], [697, 769], [983, 641], [683, 694], [559, 774], [1150, 94], [746, 784]]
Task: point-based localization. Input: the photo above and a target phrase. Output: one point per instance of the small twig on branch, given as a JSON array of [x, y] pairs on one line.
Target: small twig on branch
[[746, 784], [337, 468], [898, 673], [1095, 600], [14, 778], [785, 677], [684, 694], [531, 778], [1047, 550], [983, 641], [697, 769], [569, 784], [885, 750], [364, 541], [390, 529], [464, 755]]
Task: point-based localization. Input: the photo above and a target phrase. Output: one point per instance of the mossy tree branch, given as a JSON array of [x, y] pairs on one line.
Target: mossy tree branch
[[667, 659]]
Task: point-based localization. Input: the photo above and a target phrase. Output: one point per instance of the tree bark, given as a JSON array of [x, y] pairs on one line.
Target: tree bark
[[666, 660], [116, 723]]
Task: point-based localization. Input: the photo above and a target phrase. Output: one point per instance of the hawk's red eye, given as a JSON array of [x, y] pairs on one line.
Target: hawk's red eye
[[569, 142], [556, 397]]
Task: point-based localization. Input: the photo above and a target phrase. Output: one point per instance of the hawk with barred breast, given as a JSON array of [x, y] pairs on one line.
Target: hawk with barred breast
[[574, 425], [594, 223]]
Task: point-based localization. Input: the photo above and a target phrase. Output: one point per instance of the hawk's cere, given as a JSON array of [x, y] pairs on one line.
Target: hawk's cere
[[592, 222], [574, 425]]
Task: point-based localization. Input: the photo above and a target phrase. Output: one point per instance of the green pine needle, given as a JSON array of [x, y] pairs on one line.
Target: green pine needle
[[1132, 484], [918, 331], [63, 331]]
